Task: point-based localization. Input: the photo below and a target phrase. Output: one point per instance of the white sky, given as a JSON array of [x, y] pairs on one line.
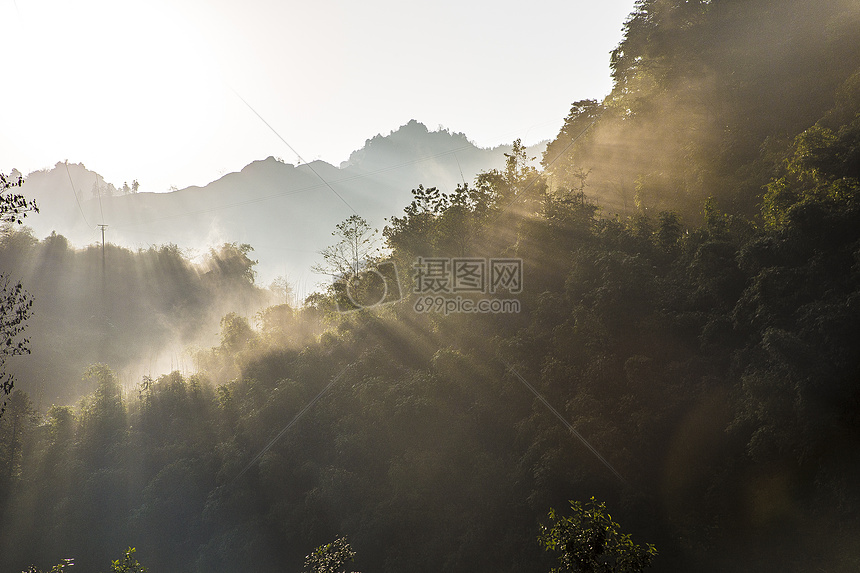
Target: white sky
[[145, 90]]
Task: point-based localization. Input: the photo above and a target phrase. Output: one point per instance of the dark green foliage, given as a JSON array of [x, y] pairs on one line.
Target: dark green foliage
[[128, 564], [59, 568], [15, 307], [706, 96], [329, 558], [696, 347], [15, 303], [707, 353], [150, 302], [14, 207], [590, 542]]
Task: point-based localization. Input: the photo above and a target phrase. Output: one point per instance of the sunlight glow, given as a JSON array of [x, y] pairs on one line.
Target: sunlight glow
[[143, 90]]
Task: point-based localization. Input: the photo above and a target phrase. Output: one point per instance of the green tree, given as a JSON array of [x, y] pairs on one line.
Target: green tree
[[236, 333], [232, 262], [15, 307], [589, 541], [14, 427], [59, 568], [15, 302], [518, 182], [128, 564], [352, 263], [354, 250], [14, 207], [329, 558], [102, 419], [282, 290], [558, 158]]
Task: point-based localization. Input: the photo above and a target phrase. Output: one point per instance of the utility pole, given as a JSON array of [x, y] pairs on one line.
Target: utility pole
[[103, 227], [105, 320]]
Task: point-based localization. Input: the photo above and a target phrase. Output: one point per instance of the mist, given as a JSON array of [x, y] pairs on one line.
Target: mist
[[654, 317], [707, 98], [266, 204], [139, 311]]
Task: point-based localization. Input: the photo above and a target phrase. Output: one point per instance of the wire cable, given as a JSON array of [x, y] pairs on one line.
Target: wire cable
[[75, 192], [538, 175], [355, 177], [295, 152], [291, 423], [567, 424]]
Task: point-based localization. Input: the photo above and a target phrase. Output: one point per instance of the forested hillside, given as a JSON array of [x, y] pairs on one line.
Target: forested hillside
[[135, 310], [707, 99], [689, 307]]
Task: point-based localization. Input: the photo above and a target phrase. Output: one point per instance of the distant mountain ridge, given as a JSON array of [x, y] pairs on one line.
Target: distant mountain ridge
[[285, 211]]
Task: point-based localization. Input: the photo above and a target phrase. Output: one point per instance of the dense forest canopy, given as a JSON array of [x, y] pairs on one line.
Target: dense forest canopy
[[135, 310], [685, 350], [707, 98]]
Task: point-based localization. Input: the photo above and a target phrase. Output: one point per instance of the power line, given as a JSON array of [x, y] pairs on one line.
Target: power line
[[75, 192], [461, 170], [311, 187], [565, 422], [301, 189], [221, 207], [99, 193], [293, 421], [295, 152], [103, 227], [521, 194]]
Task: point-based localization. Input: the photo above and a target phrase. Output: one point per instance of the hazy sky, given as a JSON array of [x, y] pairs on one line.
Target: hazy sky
[[147, 90]]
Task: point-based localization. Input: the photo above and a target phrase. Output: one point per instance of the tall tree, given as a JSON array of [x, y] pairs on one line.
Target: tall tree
[[330, 558], [354, 250], [590, 542], [15, 302]]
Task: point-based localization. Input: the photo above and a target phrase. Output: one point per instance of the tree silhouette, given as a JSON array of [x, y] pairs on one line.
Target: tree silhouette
[[330, 558], [589, 541], [15, 302], [353, 251]]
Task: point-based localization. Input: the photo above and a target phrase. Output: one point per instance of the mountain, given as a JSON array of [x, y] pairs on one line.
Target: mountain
[[285, 211]]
